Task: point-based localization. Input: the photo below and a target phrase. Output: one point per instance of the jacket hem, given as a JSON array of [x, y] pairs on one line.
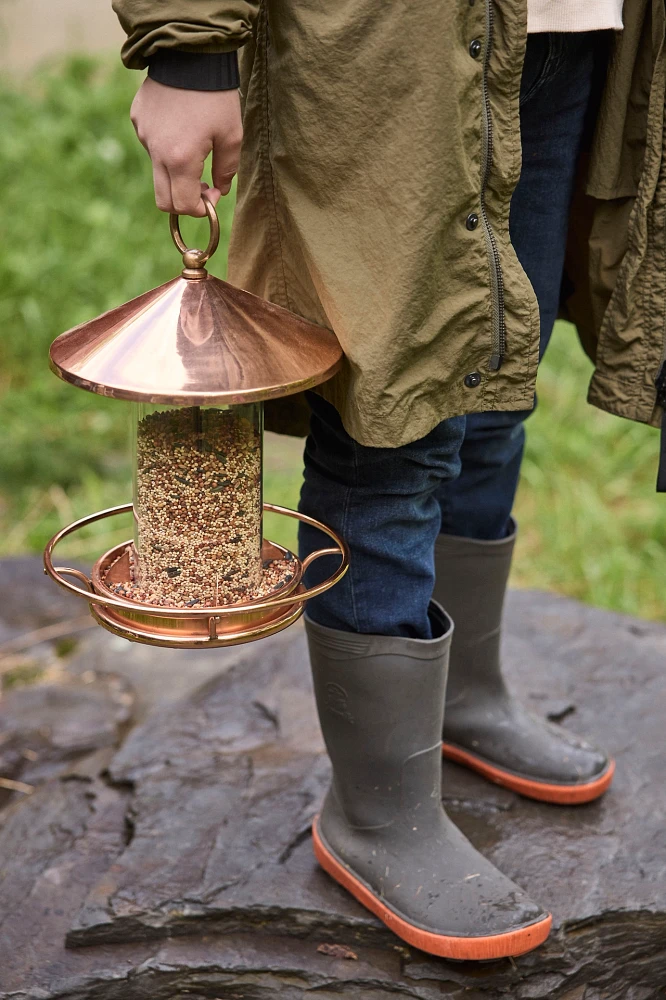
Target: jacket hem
[[414, 422], [610, 395]]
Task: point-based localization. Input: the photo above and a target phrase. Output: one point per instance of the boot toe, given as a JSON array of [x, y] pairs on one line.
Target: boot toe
[[580, 761], [482, 900], [497, 907], [436, 892], [515, 748]]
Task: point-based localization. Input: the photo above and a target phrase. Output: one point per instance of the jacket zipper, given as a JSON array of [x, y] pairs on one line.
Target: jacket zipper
[[496, 281]]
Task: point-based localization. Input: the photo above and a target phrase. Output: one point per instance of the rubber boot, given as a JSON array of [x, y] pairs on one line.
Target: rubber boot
[[485, 728], [382, 832]]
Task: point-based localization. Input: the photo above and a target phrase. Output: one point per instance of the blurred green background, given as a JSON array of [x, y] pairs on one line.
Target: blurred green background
[[81, 234]]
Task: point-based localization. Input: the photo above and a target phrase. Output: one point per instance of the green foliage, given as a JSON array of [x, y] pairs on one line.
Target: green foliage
[[592, 525], [80, 234]]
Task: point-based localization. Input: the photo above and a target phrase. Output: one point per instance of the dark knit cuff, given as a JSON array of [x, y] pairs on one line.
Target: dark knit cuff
[[195, 70]]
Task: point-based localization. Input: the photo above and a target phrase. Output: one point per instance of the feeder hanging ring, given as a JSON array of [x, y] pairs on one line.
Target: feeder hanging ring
[[193, 259]]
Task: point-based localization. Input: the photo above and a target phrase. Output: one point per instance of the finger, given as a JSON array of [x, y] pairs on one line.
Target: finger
[[162, 184], [223, 180], [224, 183], [226, 152], [185, 178]]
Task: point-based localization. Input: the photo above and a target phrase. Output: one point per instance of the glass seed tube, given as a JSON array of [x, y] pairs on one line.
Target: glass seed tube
[[197, 504]]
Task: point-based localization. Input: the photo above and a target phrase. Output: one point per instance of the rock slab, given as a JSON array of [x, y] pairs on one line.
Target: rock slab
[[185, 869]]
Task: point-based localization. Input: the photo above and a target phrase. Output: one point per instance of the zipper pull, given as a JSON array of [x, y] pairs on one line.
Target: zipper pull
[[660, 383]]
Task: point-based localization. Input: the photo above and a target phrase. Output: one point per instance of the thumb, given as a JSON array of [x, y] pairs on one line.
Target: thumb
[[225, 163], [212, 194]]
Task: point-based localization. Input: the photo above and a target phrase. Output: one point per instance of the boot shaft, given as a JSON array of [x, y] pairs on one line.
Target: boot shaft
[[471, 583], [381, 705]]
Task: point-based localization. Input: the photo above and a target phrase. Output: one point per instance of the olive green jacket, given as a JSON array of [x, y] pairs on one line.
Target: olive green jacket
[[372, 131]]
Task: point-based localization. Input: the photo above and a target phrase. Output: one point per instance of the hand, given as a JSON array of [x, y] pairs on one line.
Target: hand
[[179, 128]]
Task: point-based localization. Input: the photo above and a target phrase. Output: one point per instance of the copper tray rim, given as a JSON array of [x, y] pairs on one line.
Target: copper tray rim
[[101, 564], [58, 573]]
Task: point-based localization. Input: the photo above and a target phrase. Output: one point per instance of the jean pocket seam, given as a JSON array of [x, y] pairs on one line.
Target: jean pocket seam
[[549, 67]]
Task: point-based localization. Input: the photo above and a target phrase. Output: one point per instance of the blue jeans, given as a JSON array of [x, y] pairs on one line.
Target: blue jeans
[[461, 478]]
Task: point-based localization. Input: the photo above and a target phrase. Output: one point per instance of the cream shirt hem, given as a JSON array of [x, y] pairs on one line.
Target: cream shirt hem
[[573, 15]]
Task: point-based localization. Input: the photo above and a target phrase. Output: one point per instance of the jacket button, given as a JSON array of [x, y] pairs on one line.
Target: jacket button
[[472, 221], [475, 48], [473, 380]]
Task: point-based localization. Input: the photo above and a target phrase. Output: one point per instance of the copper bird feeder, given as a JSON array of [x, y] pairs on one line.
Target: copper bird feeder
[[196, 357]]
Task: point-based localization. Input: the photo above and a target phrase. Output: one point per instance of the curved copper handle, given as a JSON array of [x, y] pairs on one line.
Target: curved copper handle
[[68, 571], [317, 554], [193, 259]]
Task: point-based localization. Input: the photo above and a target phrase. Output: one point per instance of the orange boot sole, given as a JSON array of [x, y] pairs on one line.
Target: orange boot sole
[[507, 945], [542, 791]]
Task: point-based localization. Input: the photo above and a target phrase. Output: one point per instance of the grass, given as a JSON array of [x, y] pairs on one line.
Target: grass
[[80, 234]]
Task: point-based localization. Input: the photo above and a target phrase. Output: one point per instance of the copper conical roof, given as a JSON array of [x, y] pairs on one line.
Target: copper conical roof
[[196, 340]]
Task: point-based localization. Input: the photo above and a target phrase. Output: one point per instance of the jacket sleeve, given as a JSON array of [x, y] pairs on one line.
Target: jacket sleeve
[[190, 25]]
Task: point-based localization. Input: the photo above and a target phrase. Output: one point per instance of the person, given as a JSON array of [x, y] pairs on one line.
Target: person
[[432, 181]]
